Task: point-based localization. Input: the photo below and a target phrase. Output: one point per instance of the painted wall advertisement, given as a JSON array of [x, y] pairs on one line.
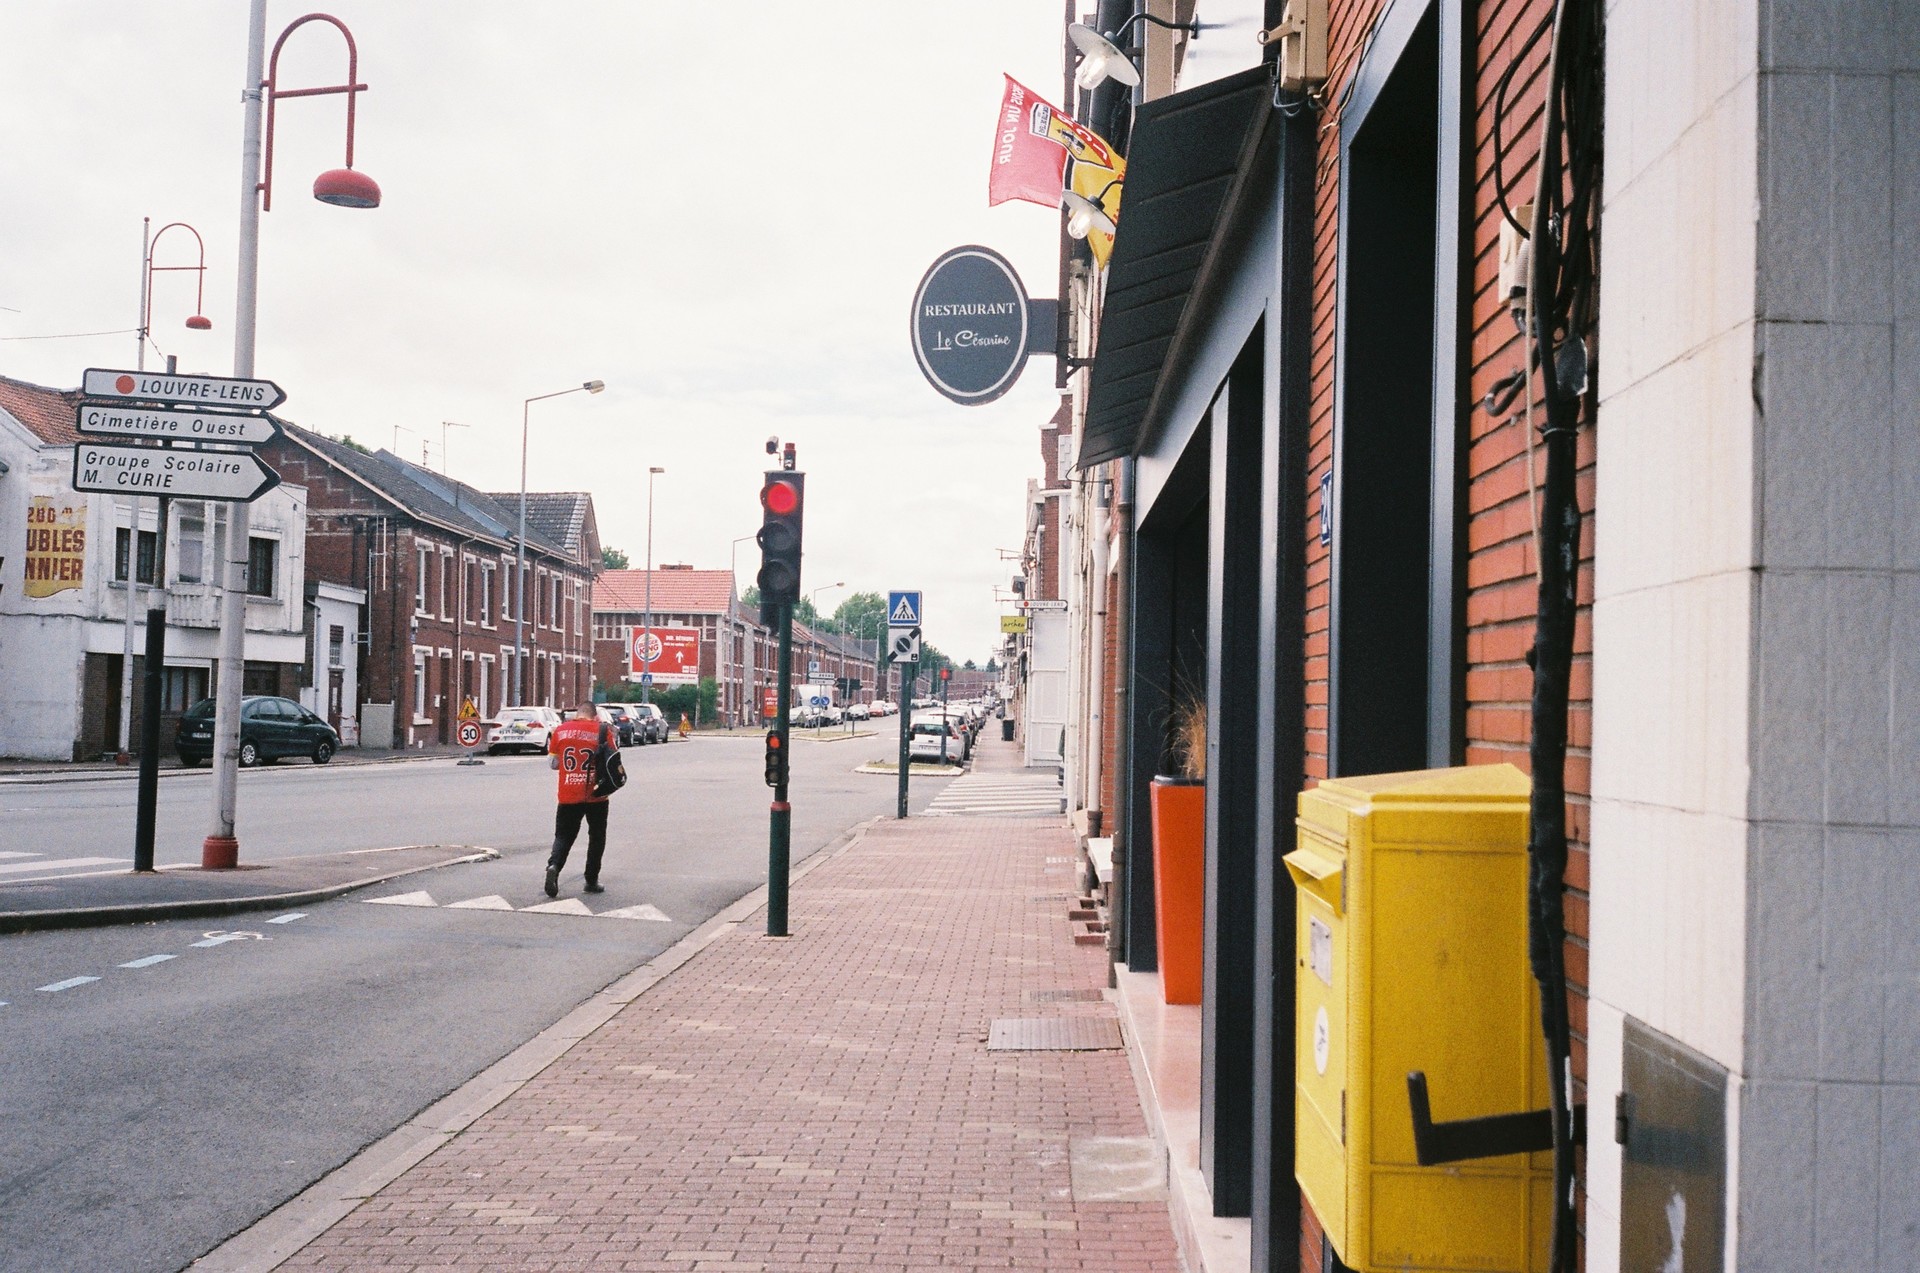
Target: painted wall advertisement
[[56, 558], [671, 654]]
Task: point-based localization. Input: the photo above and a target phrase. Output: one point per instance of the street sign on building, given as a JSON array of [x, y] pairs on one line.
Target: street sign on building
[[101, 419], [143, 470], [970, 325], [903, 609], [1013, 623], [182, 391]]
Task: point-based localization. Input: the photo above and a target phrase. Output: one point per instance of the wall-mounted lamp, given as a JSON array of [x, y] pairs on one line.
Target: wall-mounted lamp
[[1102, 58], [1086, 215]]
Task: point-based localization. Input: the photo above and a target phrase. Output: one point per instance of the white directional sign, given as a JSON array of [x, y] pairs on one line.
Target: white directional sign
[[98, 419], [146, 470], [185, 391], [904, 646], [903, 609]]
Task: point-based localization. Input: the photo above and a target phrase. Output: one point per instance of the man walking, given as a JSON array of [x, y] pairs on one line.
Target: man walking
[[573, 745]]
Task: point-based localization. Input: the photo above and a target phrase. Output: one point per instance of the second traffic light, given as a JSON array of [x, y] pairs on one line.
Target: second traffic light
[[776, 759], [782, 502]]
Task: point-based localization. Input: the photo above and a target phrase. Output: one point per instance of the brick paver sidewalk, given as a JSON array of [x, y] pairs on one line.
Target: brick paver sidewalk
[[824, 1101]]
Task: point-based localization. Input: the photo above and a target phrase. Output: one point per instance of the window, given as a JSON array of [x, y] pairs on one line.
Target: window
[[143, 565], [556, 612], [336, 645], [539, 592], [263, 561], [420, 582], [486, 596], [419, 684], [195, 560], [446, 584]]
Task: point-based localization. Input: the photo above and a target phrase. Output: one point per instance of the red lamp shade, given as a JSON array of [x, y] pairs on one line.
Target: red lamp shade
[[198, 323], [345, 188]]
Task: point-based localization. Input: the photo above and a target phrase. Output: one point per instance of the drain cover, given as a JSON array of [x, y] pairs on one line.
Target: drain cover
[[1053, 1034], [1064, 996]]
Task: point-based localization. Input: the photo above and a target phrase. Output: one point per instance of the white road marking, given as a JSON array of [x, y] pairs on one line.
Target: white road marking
[[148, 962], [287, 919], [53, 864], [492, 902], [565, 906], [421, 898], [221, 939], [10, 854], [637, 912], [68, 984]]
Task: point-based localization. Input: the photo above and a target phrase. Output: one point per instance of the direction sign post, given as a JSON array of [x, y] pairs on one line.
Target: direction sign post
[[234, 476], [231, 392], [99, 419]]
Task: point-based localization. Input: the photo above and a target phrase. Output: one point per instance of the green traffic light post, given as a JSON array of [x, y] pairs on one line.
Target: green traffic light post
[[782, 503]]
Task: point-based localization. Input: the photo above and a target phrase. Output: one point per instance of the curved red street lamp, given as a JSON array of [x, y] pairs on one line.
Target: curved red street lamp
[[198, 322], [341, 187]]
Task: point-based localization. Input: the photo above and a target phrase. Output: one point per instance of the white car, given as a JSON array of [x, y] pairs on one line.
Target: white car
[[933, 734], [859, 711], [522, 729]]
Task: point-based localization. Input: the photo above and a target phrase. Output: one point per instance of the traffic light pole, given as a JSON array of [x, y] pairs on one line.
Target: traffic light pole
[[780, 817], [909, 672]]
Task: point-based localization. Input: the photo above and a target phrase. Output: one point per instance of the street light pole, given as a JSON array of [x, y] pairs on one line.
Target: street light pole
[[520, 542], [646, 640], [743, 678]]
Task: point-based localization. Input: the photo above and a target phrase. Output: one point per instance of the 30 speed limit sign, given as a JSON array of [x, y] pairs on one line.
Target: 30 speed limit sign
[[469, 733]]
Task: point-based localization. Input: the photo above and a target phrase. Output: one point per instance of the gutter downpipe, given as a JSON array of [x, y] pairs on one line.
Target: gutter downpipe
[[1122, 710], [1100, 503]]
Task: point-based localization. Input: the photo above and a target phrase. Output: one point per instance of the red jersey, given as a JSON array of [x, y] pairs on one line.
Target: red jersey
[[574, 742]]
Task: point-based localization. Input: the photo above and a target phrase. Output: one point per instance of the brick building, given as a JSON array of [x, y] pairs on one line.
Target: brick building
[[436, 559]]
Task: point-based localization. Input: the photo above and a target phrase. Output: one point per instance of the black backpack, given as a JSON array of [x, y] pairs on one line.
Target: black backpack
[[609, 771]]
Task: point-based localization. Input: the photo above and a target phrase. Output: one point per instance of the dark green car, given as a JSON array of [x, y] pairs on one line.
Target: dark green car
[[270, 728]]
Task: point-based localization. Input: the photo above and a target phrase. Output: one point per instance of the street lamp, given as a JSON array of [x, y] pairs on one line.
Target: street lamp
[[825, 587], [646, 641], [341, 187], [520, 540], [195, 322]]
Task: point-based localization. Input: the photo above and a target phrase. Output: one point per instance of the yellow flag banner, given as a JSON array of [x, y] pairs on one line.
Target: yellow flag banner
[[1040, 152]]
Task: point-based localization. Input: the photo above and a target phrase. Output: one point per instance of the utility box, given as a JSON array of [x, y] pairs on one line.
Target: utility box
[[1412, 921]]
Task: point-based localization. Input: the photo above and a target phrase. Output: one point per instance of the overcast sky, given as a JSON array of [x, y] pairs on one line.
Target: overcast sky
[[720, 209]]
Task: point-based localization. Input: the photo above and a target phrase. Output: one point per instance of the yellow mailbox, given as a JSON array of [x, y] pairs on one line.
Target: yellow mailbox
[[1413, 956]]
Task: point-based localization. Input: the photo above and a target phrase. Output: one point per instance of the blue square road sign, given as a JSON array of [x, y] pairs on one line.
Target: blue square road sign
[[903, 610]]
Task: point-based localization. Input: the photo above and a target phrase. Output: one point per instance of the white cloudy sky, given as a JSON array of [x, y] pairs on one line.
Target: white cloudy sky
[[720, 209]]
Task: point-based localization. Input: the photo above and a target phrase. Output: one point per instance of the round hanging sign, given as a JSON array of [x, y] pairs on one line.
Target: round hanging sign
[[970, 317]]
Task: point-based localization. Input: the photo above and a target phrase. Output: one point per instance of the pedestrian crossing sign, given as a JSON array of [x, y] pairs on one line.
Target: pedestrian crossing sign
[[903, 609]]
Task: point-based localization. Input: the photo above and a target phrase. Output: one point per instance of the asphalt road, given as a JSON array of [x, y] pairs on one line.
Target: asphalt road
[[164, 1085]]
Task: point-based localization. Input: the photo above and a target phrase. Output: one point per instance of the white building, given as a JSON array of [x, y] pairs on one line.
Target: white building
[[65, 560]]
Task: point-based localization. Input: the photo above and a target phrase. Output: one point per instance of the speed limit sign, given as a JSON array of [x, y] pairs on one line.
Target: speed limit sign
[[469, 733]]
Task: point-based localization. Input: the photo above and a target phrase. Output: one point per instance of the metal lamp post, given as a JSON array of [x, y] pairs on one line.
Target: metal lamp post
[[520, 542], [646, 641], [195, 322], [342, 187], [743, 675]]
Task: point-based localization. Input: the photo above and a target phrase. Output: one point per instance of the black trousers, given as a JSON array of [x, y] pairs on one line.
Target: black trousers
[[566, 829]]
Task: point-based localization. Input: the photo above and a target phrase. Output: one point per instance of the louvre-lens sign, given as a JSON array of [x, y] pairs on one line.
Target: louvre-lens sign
[[970, 319]]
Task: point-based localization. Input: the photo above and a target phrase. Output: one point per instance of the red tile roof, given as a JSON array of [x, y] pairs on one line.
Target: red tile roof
[[47, 413], [674, 591]]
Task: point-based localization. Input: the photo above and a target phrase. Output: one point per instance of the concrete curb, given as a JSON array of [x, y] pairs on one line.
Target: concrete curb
[[281, 1234], [151, 912]]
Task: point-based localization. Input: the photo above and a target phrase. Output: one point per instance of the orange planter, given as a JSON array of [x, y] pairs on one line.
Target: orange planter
[[1179, 808]]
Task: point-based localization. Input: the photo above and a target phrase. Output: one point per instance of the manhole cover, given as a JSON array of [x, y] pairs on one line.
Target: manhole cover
[[1053, 1034]]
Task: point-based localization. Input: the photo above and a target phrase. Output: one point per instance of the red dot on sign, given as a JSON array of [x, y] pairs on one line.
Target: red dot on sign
[[124, 384]]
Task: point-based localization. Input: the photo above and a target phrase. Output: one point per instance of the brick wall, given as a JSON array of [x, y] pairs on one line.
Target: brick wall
[[1500, 598]]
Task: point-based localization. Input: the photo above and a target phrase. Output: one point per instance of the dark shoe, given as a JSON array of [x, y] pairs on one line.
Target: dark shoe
[[593, 886], [553, 881]]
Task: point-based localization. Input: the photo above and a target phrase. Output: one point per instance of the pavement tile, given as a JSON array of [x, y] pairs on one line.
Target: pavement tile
[[824, 1101]]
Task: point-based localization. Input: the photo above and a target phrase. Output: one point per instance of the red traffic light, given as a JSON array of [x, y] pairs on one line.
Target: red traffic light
[[773, 740], [946, 673], [780, 498]]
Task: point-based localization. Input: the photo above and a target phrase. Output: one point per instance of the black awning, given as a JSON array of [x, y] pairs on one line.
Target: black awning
[[1185, 153]]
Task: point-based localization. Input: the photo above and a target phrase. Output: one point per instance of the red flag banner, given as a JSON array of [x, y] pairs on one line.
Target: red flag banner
[[1038, 152]]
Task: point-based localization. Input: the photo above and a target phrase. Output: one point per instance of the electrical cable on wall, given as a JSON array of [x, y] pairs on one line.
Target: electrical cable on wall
[[1563, 259]]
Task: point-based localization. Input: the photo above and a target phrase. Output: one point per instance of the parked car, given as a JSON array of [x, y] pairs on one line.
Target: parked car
[[933, 734], [270, 728], [626, 727], [522, 729], [650, 722], [859, 711]]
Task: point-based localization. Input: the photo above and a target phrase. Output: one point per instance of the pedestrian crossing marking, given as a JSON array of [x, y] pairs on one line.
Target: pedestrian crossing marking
[[638, 912], [495, 902], [565, 906], [990, 794], [56, 864]]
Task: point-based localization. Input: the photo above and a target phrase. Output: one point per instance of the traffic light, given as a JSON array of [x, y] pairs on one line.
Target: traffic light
[[776, 759], [782, 502]]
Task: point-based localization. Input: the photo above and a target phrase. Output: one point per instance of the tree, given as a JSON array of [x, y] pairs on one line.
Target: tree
[[863, 614], [613, 559], [751, 597], [969, 666]]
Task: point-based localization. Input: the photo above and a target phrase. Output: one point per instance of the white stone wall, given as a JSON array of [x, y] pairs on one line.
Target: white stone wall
[[1756, 820]]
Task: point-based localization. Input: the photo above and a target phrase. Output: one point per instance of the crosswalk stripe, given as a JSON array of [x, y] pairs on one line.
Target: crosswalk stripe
[[55, 864], [638, 912], [422, 898], [491, 902], [495, 902], [987, 795], [565, 906]]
